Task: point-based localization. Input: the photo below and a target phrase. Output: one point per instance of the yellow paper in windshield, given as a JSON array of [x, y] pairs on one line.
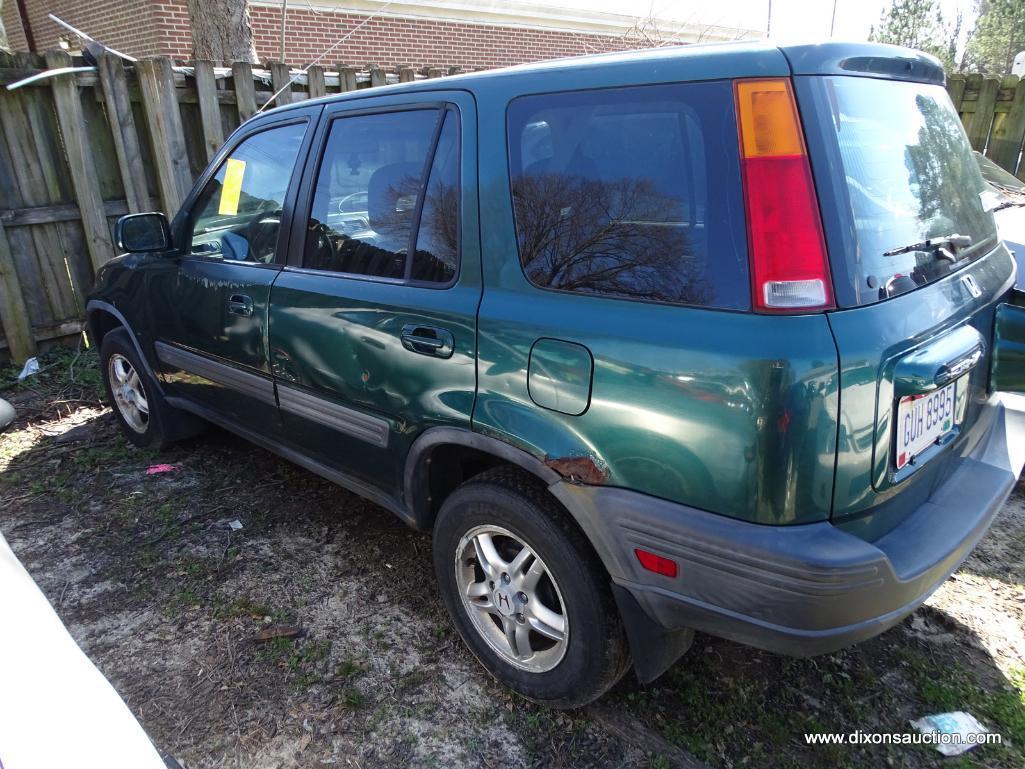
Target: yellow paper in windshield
[[234, 170]]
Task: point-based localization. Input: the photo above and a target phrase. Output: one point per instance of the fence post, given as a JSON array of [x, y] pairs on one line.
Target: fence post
[[122, 129], [164, 124], [279, 77], [1009, 127], [346, 78], [377, 77], [982, 118], [80, 161], [315, 76], [406, 75], [955, 89], [209, 106], [13, 310], [433, 72], [245, 91]]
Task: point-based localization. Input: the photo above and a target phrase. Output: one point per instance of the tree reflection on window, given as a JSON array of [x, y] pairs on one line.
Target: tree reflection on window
[[621, 237]]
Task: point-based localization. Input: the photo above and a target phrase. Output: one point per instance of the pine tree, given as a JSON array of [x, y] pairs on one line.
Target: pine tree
[[918, 24], [998, 36]]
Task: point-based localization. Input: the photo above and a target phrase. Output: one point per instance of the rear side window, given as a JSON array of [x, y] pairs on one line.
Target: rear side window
[[631, 193], [369, 204]]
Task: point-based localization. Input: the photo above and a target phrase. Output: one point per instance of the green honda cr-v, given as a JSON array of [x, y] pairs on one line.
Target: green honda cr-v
[[698, 338]]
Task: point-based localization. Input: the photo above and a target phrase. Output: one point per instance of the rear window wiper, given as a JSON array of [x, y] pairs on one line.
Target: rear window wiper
[[1007, 204], [943, 246]]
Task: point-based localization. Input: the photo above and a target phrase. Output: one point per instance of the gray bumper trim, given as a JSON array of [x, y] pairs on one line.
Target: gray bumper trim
[[805, 589]]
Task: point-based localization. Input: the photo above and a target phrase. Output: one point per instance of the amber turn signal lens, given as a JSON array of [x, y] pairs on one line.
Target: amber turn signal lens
[[768, 119]]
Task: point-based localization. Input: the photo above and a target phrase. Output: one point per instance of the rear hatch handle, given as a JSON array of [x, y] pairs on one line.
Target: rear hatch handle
[[940, 362]]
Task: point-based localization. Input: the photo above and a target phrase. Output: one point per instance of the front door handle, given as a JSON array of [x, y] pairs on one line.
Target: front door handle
[[240, 304], [428, 340]]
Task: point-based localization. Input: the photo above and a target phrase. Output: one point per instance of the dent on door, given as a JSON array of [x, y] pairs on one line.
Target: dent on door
[[1007, 367]]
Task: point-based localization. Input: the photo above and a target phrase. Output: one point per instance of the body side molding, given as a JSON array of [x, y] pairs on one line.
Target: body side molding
[[253, 385], [348, 482], [371, 429]]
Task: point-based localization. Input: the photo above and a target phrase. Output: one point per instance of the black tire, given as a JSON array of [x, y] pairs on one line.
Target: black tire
[[596, 653], [163, 424]]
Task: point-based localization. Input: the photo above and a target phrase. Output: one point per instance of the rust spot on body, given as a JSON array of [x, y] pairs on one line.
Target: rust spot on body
[[583, 470]]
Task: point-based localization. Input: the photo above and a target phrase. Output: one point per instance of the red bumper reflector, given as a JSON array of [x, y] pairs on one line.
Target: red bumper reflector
[[656, 563]]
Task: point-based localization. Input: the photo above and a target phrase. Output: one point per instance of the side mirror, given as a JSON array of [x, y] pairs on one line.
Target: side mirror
[[143, 232]]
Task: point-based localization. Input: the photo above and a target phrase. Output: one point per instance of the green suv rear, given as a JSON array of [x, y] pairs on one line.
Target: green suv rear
[[699, 338]]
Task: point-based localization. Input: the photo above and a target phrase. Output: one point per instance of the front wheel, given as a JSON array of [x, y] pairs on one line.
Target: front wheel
[[144, 416], [526, 591]]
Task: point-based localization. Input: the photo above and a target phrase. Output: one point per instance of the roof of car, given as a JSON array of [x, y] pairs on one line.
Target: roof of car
[[861, 59]]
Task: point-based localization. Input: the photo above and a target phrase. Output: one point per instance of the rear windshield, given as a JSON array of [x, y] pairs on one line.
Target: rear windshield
[[908, 175]]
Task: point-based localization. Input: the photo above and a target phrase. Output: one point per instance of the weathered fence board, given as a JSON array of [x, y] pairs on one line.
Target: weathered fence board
[[245, 91], [993, 112], [13, 312], [166, 135], [316, 85], [122, 128], [77, 151], [209, 107], [88, 194]]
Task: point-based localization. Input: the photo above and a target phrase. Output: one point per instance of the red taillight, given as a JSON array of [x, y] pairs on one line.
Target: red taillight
[[789, 265], [656, 563]]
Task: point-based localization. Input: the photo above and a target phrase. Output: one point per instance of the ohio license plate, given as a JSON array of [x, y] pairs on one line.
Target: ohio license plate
[[924, 420]]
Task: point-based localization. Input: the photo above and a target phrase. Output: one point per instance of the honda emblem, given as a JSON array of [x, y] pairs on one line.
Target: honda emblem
[[971, 285]]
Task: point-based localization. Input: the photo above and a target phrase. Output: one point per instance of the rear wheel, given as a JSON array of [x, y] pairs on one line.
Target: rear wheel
[[144, 416], [526, 591]]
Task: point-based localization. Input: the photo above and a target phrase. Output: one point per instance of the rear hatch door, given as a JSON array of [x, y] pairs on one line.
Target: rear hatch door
[[917, 269]]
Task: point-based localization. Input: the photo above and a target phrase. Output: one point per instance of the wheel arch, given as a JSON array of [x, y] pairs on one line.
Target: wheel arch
[[654, 648], [441, 458], [103, 318]]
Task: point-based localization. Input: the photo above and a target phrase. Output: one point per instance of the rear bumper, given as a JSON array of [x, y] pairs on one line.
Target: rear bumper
[[806, 589]]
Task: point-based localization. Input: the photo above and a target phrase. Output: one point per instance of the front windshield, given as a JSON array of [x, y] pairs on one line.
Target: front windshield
[[910, 176]]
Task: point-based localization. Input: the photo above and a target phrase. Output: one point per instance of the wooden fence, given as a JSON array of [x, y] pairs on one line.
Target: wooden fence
[[79, 150], [993, 112]]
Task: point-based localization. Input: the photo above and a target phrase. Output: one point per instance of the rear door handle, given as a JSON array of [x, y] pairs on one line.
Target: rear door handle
[[428, 340], [240, 304]]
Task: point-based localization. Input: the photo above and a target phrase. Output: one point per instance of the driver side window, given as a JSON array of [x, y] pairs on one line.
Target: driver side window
[[237, 217]]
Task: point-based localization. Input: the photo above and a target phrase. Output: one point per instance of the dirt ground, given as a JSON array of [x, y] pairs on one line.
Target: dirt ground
[[174, 606]]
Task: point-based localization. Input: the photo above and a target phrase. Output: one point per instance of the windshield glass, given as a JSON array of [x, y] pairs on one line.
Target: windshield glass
[[910, 176]]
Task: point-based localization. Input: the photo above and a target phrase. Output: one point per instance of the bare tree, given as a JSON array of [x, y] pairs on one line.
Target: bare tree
[[221, 30]]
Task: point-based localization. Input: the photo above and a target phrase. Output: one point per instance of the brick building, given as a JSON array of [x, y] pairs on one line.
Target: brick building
[[436, 32]]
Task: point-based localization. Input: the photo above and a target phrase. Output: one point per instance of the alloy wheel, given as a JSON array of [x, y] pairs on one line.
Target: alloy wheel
[[128, 392], [512, 598]]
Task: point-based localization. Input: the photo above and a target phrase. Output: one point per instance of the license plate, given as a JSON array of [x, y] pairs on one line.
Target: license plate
[[924, 420]]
